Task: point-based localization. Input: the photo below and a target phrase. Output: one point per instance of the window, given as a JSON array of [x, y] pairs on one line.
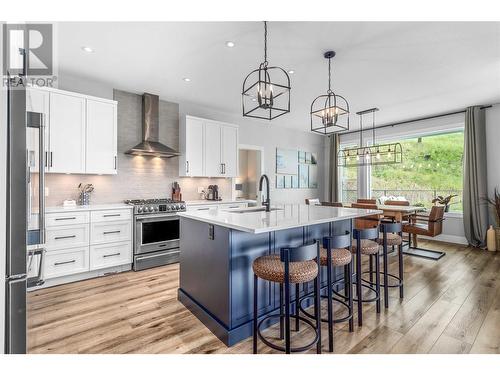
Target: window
[[432, 166]]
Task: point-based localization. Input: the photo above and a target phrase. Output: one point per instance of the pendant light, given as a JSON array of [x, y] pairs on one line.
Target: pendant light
[[375, 154], [266, 90], [330, 112]]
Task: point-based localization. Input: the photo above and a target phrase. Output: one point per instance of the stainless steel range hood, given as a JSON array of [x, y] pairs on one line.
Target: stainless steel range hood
[[150, 145]]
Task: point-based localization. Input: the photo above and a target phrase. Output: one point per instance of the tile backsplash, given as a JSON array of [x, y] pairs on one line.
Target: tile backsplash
[[138, 176]]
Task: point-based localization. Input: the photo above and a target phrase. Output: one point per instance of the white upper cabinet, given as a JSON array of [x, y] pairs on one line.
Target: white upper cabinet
[[191, 142], [229, 151], [208, 148], [101, 137], [80, 131], [67, 133], [213, 161]]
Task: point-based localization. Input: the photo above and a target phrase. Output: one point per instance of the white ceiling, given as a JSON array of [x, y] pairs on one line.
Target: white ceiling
[[407, 69]]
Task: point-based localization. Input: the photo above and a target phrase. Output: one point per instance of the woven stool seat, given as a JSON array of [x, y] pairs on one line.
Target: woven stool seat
[[340, 257], [392, 239], [270, 268], [368, 247]]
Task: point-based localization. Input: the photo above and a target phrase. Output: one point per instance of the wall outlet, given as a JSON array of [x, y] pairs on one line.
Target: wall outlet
[[200, 189], [46, 191]]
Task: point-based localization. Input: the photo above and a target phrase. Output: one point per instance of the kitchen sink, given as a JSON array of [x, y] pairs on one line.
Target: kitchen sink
[[258, 209]]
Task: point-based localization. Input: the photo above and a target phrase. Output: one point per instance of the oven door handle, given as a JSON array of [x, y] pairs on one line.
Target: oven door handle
[[154, 218]]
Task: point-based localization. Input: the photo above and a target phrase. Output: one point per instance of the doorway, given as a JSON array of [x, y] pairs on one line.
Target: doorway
[[250, 162]]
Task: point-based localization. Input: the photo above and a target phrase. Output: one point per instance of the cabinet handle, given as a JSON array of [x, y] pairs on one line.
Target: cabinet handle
[[45, 161], [223, 168], [51, 159], [67, 262], [65, 218], [187, 166], [64, 237], [111, 215], [234, 206], [115, 162], [112, 232], [110, 255], [203, 209]]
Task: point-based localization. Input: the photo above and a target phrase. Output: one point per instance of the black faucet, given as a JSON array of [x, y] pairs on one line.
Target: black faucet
[[267, 201]]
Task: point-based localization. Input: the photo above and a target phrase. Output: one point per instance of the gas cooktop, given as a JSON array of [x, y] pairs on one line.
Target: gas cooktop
[[156, 205]]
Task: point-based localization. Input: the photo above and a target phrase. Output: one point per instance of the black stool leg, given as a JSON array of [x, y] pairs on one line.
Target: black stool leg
[[377, 279], [282, 319], [386, 276], [297, 311], [317, 308], [349, 288], [358, 283], [330, 301], [287, 314], [255, 296], [400, 261], [346, 286], [371, 268]]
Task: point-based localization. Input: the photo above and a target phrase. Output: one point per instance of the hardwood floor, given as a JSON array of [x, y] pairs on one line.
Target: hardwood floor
[[450, 306]]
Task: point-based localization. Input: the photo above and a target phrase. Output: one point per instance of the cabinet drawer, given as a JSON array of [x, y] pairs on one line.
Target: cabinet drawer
[[110, 215], [202, 207], [110, 232], [227, 206], [109, 255], [66, 218], [67, 236], [66, 262]]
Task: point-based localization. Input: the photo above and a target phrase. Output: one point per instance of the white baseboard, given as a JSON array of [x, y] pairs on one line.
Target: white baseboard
[[447, 238], [82, 276]]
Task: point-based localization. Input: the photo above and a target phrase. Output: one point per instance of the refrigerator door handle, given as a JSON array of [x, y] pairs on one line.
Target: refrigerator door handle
[[41, 174]]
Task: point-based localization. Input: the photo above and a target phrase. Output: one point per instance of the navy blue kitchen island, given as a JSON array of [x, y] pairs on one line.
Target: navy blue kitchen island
[[217, 249]]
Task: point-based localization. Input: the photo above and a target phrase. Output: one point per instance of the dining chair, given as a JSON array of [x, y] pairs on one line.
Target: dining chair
[[371, 221], [313, 201], [332, 204], [430, 226], [367, 200]]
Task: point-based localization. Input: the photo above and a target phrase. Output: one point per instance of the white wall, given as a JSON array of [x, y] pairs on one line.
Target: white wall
[[493, 150], [269, 136], [3, 144]]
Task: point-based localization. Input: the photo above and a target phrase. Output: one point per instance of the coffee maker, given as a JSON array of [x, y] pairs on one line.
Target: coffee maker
[[213, 193]]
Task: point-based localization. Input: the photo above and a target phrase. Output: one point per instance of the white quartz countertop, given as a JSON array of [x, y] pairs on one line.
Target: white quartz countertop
[[91, 207], [287, 216], [199, 202]]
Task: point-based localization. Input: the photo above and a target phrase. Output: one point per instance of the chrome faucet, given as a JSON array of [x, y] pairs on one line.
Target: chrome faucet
[[267, 201]]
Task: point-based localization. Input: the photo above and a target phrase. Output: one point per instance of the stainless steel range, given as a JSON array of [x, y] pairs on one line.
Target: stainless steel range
[[156, 232]]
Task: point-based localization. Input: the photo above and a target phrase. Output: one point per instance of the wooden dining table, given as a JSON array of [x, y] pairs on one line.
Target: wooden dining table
[[398, 213]]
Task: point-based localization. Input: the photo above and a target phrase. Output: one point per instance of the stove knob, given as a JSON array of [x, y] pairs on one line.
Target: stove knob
[[168, 207], [177, 206], [139, 209], [183, 206], [156, 208], [151, 209]]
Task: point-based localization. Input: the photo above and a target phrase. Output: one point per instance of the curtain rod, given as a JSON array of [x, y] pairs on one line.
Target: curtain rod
[[414, 120]]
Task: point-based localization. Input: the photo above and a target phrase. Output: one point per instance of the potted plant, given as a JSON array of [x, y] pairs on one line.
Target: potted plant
[[495, 203], [445, 201]]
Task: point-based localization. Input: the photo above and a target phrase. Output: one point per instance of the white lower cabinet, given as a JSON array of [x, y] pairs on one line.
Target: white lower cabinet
[[110, 232], [82, 241], [216, 206], [66, 262], [108, 255]]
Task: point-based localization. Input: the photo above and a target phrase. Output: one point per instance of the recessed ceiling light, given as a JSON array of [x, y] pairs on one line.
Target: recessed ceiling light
[[229, 44], [186, 79], [291, 71], [88, 49]]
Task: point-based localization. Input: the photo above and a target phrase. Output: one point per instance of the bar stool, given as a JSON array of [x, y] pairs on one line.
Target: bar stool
[[334, 253], [294, 265], [392, 235], [366, 243]]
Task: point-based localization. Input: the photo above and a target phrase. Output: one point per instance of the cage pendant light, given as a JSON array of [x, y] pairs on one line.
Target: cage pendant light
[[266, 90], [330, 112]]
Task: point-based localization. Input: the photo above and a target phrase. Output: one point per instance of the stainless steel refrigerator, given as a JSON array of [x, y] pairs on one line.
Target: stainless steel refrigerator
[[25, 210]]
